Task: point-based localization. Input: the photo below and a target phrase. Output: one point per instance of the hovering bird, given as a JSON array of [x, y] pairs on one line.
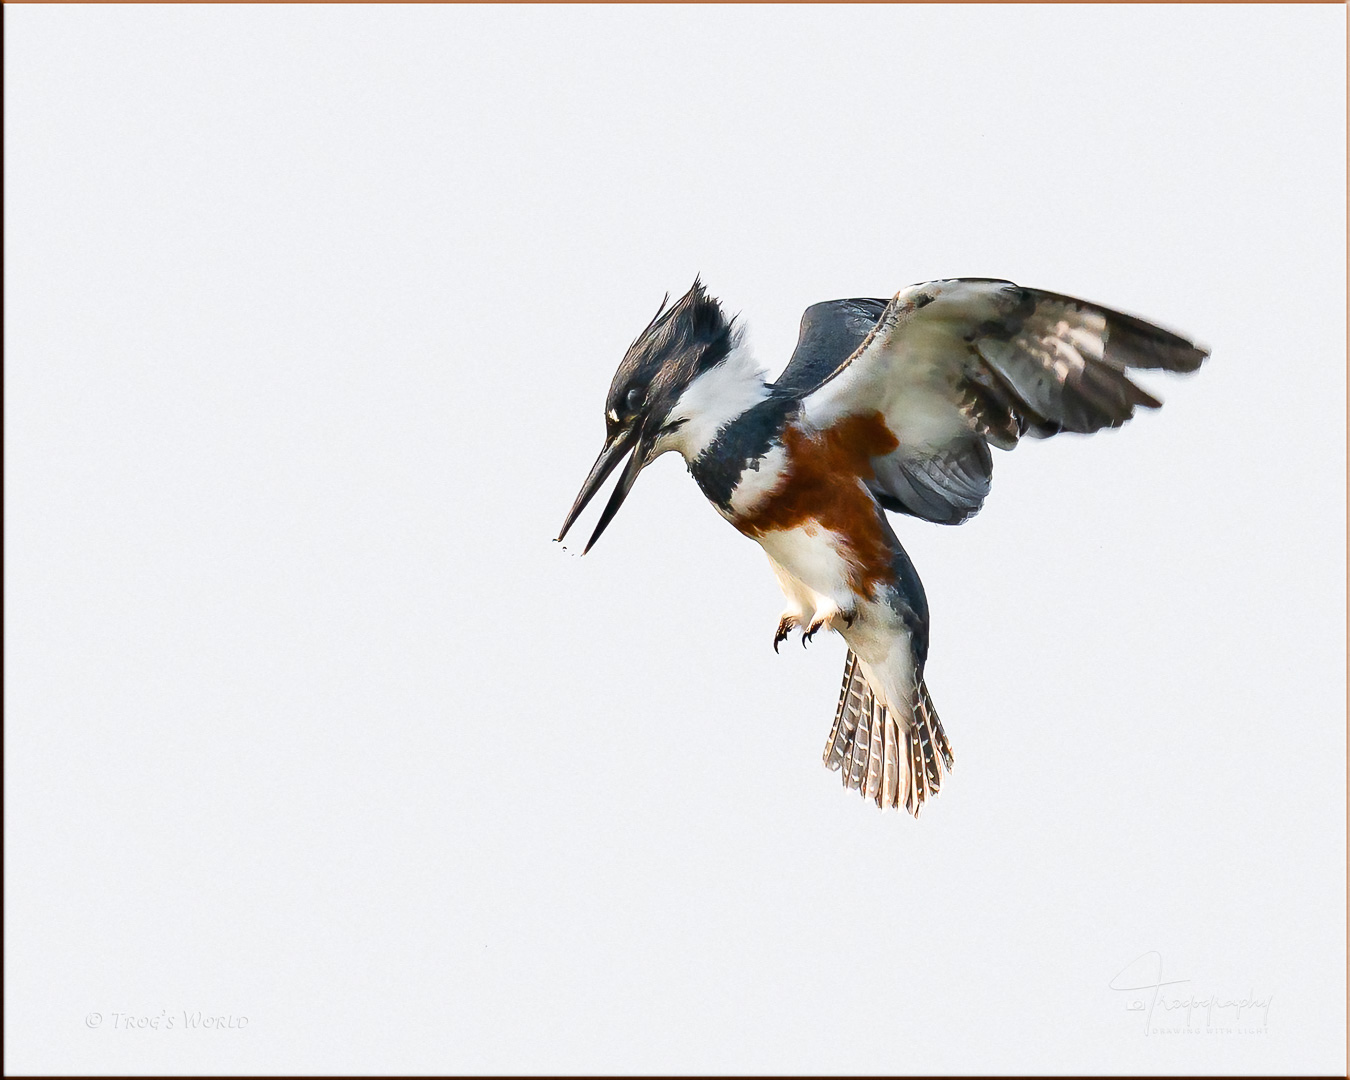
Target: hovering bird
[[884, 405]]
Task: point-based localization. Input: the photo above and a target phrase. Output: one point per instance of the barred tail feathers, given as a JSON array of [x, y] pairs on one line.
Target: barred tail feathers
[[894, 761]]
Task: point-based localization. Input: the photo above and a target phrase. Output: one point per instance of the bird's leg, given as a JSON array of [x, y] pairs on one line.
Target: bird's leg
[[786, 625], [830, 619]]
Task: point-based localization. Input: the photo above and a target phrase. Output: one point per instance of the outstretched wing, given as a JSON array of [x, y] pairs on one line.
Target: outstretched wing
[[954, 367]]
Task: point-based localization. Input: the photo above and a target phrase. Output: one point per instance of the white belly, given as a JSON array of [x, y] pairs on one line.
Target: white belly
[[814, 577], [811, 570]]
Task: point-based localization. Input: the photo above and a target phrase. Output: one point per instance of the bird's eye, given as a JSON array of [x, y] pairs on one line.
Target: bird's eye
[[633, 402]]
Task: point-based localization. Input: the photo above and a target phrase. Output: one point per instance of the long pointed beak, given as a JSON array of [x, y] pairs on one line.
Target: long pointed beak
[[605, 464], [630, 473]]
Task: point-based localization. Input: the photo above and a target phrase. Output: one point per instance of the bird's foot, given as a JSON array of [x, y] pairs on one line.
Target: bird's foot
[[830, 621], [786, 625], [812, 630]]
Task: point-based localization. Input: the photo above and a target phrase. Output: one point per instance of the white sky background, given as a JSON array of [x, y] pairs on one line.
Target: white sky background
[[310, 313]]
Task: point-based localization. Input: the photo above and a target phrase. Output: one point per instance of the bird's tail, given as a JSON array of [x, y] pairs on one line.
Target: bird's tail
[[895, 761]]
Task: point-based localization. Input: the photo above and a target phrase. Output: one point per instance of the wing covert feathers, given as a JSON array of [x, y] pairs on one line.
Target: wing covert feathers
[[894, 761]]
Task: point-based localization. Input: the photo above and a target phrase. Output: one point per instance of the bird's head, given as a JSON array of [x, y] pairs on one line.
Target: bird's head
[[643, 411]]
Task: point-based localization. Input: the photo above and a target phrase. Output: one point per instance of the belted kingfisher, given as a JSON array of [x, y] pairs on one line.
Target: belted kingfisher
[[884, 405]]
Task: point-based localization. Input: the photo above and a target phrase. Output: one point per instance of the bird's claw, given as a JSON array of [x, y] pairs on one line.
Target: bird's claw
[[790, 622]]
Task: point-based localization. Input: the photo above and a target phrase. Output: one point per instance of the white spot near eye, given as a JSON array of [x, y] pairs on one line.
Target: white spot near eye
[[613, 415]]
